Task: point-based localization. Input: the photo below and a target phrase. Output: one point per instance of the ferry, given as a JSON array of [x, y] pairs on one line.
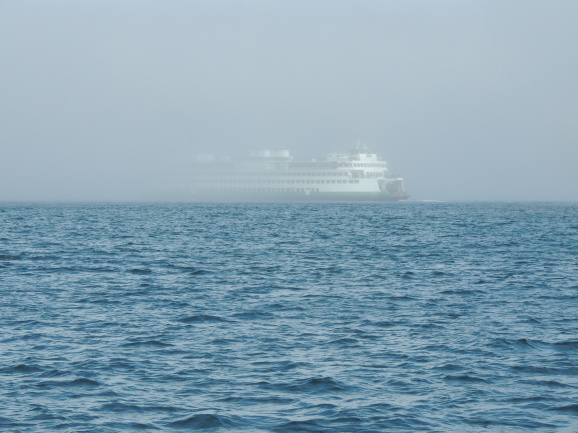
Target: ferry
[[274, 175]]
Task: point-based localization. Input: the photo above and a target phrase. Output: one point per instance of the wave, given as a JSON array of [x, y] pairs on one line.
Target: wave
[[202, 318], [147, 343], [205, 421], [80, 382], [313, 385]]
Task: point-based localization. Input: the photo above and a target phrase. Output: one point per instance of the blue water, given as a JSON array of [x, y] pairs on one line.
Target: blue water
[[410, 317]]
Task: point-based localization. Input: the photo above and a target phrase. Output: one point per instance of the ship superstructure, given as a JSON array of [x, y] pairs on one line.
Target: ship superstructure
[[273, 174]]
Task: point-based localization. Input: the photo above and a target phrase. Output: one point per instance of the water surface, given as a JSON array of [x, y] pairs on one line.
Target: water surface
[[289, 317]]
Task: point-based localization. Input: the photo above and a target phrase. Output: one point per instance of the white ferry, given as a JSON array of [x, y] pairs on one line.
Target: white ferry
[[273, 174]]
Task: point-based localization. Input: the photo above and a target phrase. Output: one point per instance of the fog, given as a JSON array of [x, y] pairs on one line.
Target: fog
[[473, 100]]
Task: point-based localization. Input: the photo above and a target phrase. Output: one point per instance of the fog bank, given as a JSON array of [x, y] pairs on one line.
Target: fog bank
[[468, 100]]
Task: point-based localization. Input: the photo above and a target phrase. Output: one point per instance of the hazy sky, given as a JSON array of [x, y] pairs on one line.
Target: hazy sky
[[469, 100]]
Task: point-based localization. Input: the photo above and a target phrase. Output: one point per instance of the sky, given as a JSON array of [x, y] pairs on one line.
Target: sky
[[468, 100]]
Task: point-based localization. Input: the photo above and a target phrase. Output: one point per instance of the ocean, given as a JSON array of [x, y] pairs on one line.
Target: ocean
[[332, 317]]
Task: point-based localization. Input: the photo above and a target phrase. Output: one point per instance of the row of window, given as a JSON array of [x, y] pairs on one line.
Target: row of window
[[283, 181], [206, 189], [281, 174], [362, 164], [340, 164], [318, 164]]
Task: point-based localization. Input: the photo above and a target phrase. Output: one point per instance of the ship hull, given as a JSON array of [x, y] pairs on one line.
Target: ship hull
[[240, 196]]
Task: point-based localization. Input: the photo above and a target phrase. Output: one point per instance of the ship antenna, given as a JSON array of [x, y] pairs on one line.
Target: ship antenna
[[360, 147]]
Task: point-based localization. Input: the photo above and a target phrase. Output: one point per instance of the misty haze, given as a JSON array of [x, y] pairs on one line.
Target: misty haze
[[467, 100]]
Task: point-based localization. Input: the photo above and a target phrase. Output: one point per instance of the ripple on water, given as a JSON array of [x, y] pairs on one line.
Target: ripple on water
[[289, 317]]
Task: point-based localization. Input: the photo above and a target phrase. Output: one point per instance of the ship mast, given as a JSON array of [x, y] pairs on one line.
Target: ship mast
[[359, 146]]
